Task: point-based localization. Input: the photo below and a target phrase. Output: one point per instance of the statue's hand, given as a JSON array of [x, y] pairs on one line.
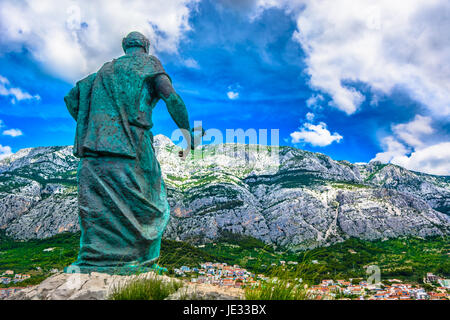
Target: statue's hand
[[194, 143], [184, 153], [196, 140]]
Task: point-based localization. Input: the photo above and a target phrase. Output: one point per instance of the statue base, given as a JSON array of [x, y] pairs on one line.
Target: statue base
[[125, 270]]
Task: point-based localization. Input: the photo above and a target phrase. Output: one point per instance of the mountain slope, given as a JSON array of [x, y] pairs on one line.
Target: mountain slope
[[303, 200]]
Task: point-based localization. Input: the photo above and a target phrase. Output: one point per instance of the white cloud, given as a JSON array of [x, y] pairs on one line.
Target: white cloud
[[315, 101], [17, 94], [411, 132], [410, 146], [316, 135], [191, 63], [434, 159], [232, 95], [5, 151], [72, 39], [387, 45], [13, 133], [233, 91], [393, 148], [383, 43], [310, 116]]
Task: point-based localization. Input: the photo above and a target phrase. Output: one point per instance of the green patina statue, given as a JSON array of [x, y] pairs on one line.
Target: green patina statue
[[123, 208]]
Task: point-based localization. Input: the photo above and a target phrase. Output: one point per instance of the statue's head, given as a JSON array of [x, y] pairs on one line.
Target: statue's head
[[135, 39]]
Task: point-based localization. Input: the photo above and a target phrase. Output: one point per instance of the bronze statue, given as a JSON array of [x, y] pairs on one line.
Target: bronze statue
[[123, 208]]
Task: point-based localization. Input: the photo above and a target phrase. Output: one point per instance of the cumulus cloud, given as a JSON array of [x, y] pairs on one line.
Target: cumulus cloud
[[191, 63], [386, 45], [16, 94], [233, 91], [315, 101], [434, 159], [232, 95], [411, 133], [315, 135], [383, 43], [310, 116], [409, 147], [393, 148], [13, 133], [72, 39], [5, 151]]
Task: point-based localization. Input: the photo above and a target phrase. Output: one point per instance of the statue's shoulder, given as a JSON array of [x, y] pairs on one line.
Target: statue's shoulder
[[89, 78], [154, 61], [152, 66], [108, 65], [145, 60], [87, 81]]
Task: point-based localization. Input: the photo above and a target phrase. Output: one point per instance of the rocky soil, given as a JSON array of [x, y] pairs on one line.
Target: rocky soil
[[98, 286]]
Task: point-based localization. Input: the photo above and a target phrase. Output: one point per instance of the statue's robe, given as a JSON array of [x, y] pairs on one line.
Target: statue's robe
[[123, 208]]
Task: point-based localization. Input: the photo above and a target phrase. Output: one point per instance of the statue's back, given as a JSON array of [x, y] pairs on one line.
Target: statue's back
[[120, 96]]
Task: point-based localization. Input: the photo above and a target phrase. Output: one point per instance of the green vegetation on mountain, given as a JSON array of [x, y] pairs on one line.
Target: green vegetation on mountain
[[299, 198], [38, 257], [176, 253], [377, 168], [404, 258], [25, 256]]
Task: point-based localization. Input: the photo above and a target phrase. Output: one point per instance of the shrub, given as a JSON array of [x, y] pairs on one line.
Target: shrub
[[277, 289], [152, 288], [286, 283]]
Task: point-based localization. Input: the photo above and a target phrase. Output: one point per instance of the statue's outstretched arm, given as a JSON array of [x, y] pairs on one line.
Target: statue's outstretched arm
[[175, 106]]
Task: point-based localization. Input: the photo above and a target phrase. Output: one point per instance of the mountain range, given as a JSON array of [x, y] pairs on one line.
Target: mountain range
[[284, 196]]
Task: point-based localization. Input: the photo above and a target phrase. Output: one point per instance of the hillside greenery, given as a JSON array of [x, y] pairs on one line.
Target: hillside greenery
[[62, 249], [404, 258]]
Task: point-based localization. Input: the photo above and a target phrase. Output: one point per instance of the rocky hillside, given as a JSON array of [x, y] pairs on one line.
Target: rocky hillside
[[298, 200], [99, 286]]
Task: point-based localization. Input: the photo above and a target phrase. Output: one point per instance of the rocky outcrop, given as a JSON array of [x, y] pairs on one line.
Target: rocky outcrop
[[194, 291], [284, 196], [99, 286]]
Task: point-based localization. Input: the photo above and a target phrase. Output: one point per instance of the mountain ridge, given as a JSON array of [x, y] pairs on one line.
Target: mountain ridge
[[298, 200]]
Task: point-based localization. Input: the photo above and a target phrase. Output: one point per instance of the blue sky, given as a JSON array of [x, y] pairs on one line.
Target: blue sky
[[332, 80]]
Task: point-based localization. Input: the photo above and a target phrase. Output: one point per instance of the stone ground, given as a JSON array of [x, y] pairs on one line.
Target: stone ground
[[98, 286]]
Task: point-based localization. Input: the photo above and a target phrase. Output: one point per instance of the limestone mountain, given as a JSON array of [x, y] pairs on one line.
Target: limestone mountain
[[297, 199]]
